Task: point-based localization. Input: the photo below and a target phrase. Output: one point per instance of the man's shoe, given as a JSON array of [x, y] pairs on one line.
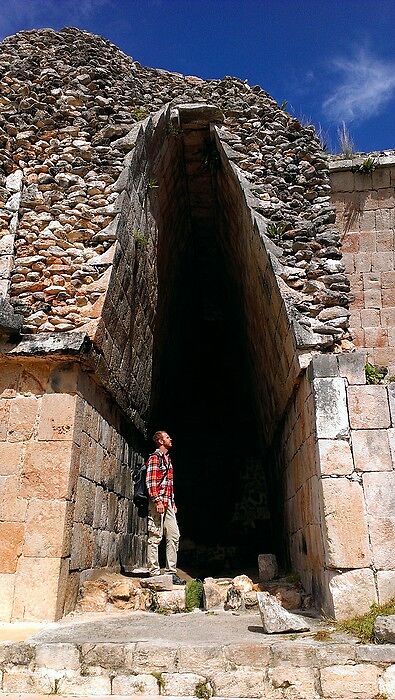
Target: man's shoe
[[177, 581]]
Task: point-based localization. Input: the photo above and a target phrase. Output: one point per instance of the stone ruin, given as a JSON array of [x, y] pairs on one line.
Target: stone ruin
[[170, 256]]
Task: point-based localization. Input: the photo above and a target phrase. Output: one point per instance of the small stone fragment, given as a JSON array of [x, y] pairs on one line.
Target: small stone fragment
[[267, 566], [384, 628], [276, 619]]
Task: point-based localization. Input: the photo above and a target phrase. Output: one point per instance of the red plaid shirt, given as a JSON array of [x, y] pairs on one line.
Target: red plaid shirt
[[160, 478]]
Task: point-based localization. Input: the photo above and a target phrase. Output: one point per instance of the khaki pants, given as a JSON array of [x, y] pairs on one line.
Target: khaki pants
[[160, 524]]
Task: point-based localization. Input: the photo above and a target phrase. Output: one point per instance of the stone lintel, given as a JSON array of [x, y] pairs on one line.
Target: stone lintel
[[199, 115]]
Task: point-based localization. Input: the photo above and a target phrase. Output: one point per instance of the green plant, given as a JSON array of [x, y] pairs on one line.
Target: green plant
[[292, 578], [139, 237], [152, 184], [159, 678], [366, 167], [373, 374], [347, 146], [139, 113], [276, 229], [203, 690], [193, 595], [362, 626]]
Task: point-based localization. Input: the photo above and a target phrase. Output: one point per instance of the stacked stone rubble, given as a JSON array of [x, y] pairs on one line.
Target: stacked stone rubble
[[68, 98]]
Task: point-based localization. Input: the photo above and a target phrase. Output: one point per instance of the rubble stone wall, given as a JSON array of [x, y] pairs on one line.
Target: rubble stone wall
[[65, 485], [365, 206], [68, 101]]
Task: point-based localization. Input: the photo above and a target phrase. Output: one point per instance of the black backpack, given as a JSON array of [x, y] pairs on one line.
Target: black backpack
[[140, 491]]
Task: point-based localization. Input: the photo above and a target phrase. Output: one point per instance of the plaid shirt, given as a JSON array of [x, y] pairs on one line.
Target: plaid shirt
[[160, 478]]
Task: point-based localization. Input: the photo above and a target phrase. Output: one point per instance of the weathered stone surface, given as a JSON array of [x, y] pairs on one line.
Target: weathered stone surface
[[243, 583], [331, 408], [46, 470], [140, 684], [11, 538], [276, 619], [387, 683], [172, 600], [293, 682], [352, 366], [149, 658], [177, 684], [353, 592], [203, 660], [158, 583], [57, 417], [379, 489], [22, 680], [57, 657], [359, 681], [240, 684], [48, 528], [267, 567], [335, 457], [84, 686], [385, 585], [45, 601], [7, 585], [371, 450], [384, 628], [346, 542], [368, 407], [214, 593], [289, 597]]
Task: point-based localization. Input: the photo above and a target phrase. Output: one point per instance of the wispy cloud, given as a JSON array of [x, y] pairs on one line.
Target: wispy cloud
[[17, 15], [366, 85]]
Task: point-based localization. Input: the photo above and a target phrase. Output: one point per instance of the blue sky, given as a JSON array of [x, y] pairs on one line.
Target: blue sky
[[331, 60]]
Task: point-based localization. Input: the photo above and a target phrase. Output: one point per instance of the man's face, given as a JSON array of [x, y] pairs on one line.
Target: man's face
[[166, 441]]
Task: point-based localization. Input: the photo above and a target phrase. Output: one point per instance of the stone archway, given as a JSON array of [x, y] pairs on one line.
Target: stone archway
[[181, 186]]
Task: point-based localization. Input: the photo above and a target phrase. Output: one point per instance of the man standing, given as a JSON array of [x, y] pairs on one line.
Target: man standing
[[161, 508]]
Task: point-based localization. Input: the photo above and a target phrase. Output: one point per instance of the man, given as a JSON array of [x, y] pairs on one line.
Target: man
[[161, 508]]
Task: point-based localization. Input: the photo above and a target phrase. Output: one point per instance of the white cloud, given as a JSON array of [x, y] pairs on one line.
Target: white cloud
[[366, 85], [17, 15]]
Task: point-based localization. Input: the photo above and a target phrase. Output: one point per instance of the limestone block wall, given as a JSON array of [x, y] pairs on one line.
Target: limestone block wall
[[355, 464], [65, 487], [365, 206], [338, 464], [302, 490]]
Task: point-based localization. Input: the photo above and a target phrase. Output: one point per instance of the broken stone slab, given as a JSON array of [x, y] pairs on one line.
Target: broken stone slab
[[158, 583], [172, 601], [267, 567], [49, 343], [384, 628], [215, 592], [276, 619], [243, 583]]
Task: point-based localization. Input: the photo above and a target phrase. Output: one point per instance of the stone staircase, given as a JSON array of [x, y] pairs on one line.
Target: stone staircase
[[219, 654]]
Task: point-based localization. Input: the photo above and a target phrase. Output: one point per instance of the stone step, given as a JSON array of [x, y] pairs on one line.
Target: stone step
[[195, 655]]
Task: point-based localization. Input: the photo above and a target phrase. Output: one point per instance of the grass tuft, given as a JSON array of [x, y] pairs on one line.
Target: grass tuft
[[193, 595], [362, 626]]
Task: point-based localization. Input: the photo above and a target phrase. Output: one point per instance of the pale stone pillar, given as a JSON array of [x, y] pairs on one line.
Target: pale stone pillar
[[37, 478]]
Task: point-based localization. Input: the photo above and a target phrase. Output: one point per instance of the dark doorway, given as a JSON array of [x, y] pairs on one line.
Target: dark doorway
[[204, 397]]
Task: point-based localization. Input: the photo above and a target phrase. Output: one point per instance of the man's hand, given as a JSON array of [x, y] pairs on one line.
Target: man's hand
[[160, 507]]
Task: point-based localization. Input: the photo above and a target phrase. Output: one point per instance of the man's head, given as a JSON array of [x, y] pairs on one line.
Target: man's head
[[162, 440]]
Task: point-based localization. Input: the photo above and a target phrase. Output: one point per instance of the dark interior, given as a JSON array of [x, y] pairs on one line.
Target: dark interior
[[204, 397]]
